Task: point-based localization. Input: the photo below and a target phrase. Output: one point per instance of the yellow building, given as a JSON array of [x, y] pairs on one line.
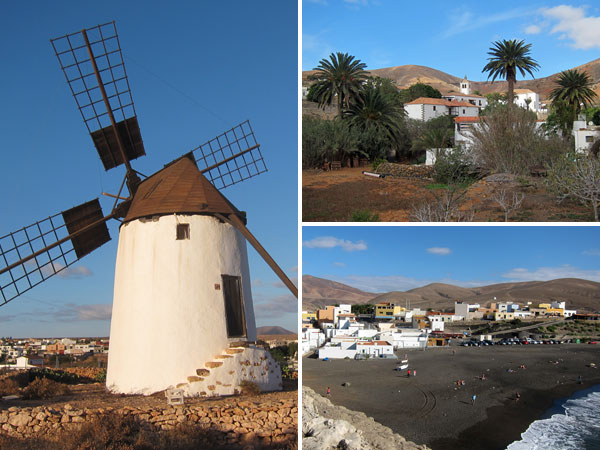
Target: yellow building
[[504, 316], [309, 316], [555, 311], [544, 305], [398, 310], [384, 311]]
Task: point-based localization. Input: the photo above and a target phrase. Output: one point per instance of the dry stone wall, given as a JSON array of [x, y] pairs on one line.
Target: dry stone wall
[[405, 170], [267, 423]]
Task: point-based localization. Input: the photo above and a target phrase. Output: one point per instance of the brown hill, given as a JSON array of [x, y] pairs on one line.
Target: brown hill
[[272, 330], [319, 292], [579, 294], [405, 76]]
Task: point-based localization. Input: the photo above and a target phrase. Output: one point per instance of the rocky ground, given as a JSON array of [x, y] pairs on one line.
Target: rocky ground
[[327, 426]]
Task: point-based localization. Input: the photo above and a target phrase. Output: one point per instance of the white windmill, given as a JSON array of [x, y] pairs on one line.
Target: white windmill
[[182, 283]]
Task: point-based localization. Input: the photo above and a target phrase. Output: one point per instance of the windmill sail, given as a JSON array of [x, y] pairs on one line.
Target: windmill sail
[[93, 65], [231, 157], [36, 252]]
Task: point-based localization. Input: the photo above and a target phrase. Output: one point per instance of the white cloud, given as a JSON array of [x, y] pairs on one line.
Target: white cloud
[[332, 242], [276, 307], [75, 272], [51, 267], [574, 25], [279, 284], [551, 273], [592, 252], [93, 312], [439, 250], [339, 264], [257, 283], [466, 21], [533, 29]]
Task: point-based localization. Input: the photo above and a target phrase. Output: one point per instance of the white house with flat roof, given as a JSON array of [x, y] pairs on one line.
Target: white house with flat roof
[[523, 96]]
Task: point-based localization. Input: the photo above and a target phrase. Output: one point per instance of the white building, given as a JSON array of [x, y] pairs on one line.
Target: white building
[[522, 96], [375, 349], [338, 350], [425, 109], [585, 135], [410, 338], [312, 338]]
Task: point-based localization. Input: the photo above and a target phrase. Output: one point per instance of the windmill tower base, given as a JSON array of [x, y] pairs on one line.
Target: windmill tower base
[[172, 315]]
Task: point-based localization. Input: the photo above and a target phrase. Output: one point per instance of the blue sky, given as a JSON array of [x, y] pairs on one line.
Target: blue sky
[[195, 69], [451, 36], [383, 259]]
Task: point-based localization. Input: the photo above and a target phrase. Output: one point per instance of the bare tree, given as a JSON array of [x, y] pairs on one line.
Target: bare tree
[[578, 179], [512, 143], [445, 207], [508, 203]]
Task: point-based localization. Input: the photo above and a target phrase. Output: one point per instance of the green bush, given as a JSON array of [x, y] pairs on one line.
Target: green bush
[[453, 167], [364, 216]]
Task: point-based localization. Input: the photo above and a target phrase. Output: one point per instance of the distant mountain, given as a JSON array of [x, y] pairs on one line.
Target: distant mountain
[[579, 294], [318, 292], [407, 75], [272, 330]]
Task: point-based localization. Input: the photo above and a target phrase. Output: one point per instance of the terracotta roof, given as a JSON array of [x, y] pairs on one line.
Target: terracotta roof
[[439, 101], [467, 119], [178, 188], [523, 91]]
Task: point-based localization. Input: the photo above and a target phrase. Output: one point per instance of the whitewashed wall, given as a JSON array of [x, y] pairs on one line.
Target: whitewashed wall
[[168, 317]]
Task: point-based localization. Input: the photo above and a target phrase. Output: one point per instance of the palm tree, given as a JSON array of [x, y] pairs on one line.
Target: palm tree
[[506, 57], [341, 76], [575, 90], [376, 112]]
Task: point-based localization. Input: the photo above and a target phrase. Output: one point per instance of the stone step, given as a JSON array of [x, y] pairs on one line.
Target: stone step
[[213, 364], [202, 372], [223, 356], [233, 351], [194, 379], [239, 344]]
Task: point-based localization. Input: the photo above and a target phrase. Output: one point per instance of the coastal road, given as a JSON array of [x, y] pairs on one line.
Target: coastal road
[[528, 327]]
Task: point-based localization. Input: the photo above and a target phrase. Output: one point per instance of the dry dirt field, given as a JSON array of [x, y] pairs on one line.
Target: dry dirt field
[[335, 195]]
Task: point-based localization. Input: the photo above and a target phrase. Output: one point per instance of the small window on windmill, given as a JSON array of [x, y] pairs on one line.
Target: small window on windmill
[[183, 231]]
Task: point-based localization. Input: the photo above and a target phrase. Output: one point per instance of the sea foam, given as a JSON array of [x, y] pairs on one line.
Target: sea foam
[[572, 424]]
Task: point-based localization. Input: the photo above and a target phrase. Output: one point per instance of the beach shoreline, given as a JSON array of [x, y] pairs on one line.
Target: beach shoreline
[[431, 408]]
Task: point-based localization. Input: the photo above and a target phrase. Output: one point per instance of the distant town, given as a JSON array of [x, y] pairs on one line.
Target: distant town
[[377, 331], [26, 353]]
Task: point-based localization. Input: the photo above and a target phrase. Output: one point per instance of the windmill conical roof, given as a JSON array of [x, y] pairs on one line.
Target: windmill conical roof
[[179, 188]]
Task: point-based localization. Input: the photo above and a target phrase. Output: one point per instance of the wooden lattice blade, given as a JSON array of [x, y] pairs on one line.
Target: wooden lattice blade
[[36, 252]]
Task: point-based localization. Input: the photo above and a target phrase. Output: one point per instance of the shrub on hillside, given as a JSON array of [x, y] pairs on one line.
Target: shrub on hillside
[[42, 388]]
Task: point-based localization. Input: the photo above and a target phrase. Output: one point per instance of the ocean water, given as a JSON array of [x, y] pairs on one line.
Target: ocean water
[[571, 424]]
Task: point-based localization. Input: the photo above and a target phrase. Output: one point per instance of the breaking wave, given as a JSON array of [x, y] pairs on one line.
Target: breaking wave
[[572, 424]]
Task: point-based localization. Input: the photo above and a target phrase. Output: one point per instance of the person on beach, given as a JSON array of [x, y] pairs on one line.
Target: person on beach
[[408, 373], [328, 391], [517, 396], [414, 373], [473, 399], [579, 380]]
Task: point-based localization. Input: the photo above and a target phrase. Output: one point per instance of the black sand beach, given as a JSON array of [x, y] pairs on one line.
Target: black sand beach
[[431, 409]]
